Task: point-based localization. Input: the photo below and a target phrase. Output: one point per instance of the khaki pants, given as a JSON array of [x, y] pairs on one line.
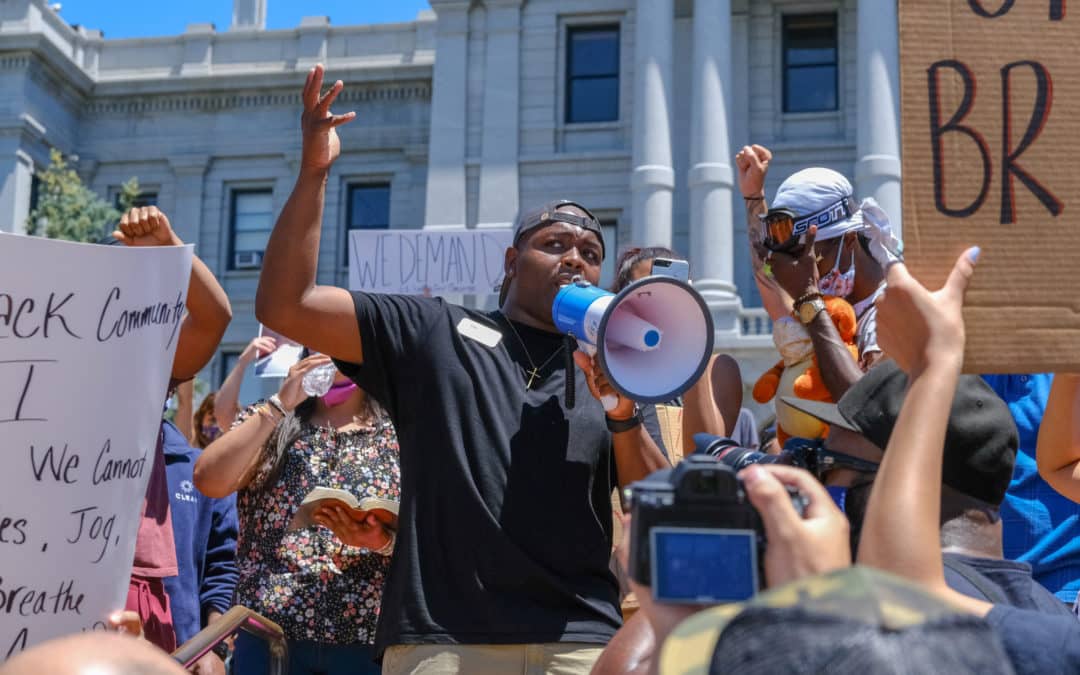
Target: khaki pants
[[553, 658]]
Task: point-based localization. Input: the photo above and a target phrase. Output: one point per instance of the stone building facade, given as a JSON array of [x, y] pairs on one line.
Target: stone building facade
[[634, 107]]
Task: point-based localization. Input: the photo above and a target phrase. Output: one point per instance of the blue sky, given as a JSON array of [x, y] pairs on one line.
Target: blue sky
[[139, 18]]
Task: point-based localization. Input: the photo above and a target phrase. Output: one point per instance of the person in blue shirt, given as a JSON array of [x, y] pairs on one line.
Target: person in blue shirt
[[1041, 527], [205, 532]]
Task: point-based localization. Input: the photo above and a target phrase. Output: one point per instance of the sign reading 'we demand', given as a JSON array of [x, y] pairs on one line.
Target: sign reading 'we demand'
[[991, 157]]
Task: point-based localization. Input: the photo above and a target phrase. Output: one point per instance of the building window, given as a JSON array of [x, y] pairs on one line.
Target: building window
[[810, 63], [369, 209], [592, 74], [610, 228], [252, 219], [35, 191]]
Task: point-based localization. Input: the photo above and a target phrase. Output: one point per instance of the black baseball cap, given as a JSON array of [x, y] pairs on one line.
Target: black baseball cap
[[980, 441], [549, 213]]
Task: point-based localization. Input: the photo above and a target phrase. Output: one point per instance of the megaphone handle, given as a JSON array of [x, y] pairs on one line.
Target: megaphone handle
[[610, 401]]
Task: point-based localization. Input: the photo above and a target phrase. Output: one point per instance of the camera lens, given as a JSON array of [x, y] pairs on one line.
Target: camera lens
[[740, 458]]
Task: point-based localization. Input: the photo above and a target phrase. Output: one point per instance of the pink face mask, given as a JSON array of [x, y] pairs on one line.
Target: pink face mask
[[338, 394]]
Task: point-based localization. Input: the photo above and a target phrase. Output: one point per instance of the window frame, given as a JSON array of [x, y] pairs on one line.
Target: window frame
[[350, 187], [234, 193], [786, 68], [569, 78]]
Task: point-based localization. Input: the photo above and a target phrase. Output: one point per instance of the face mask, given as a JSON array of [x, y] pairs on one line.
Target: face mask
[[837, 283], [211, 431], [338, 394]]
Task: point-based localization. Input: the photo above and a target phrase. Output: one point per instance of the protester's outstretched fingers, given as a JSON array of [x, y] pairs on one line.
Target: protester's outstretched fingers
[[312, 87], [327, 99]]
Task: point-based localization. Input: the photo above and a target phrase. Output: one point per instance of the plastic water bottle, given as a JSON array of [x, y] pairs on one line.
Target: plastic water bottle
[[318, 381]]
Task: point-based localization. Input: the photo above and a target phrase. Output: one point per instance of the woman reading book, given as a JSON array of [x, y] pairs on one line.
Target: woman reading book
[[321, 583]]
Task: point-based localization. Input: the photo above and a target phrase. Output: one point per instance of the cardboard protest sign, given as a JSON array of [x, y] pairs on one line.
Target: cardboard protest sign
[[991, 157], [87, 337], [427, 262]]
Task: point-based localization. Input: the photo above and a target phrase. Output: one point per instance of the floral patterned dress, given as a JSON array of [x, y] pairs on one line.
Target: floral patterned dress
[[307, 581]]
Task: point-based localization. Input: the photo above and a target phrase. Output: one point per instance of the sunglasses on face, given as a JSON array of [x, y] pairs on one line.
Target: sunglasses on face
[[784, 228]]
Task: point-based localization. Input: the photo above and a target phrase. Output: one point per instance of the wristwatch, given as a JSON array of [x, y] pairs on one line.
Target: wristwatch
[[808, 309], [632, 422]]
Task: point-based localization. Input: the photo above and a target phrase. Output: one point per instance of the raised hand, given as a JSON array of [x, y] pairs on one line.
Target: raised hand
[[753, 163], [318, 126], [797, 273], [918, 328], [260, 346], [146, 226], [292, 390]]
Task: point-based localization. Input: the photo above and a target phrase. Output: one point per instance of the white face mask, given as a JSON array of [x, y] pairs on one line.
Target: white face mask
[[837, 283]]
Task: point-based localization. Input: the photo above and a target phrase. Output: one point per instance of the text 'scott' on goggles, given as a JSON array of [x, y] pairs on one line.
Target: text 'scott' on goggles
[[784, 228]]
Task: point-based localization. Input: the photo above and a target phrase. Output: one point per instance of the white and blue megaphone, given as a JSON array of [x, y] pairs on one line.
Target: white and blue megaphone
[[654, 338]]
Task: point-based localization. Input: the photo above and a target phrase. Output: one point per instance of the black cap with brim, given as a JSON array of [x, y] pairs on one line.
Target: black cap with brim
[[549, 213], [980, 439]]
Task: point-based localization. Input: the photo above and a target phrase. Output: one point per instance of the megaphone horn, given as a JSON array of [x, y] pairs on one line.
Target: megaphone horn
[[653, 339]]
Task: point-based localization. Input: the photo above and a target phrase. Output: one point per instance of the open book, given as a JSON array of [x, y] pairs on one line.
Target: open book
[[386, 510]]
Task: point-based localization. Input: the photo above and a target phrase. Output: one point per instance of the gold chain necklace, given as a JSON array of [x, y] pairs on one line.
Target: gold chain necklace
[[533, 374]]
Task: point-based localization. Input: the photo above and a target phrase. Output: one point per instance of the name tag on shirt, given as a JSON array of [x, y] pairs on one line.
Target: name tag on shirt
[[489, 337]]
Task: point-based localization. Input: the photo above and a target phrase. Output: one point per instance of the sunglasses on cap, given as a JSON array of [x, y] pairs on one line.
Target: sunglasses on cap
[[783, 227]]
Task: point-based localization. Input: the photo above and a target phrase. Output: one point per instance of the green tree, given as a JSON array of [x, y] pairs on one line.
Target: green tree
[[67, 209]]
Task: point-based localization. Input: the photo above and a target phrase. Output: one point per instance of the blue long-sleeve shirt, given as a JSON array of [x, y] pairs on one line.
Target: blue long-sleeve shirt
[[1040, 526], [205, 531]]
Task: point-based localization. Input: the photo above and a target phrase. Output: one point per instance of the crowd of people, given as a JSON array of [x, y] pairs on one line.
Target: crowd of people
[[936, 530]]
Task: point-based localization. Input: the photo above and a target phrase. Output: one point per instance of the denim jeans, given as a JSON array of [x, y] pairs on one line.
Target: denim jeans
[[252, 657]]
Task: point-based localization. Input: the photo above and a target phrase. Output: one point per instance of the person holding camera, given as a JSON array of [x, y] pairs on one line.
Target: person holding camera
[[505, 524], [814, 241]]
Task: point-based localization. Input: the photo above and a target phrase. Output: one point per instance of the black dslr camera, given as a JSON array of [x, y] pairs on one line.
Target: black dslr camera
[[809, 454], [695, 538]]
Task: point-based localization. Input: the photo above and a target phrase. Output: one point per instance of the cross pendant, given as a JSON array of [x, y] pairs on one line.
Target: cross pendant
[[533, 374]]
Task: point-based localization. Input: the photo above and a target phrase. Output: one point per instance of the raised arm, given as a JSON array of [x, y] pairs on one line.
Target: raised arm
[[208, 309], [288, 300], [924, 333], [227, 401], [231, 461], [1058, 450]]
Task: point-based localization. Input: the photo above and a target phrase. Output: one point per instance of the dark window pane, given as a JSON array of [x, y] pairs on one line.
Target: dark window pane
[[370, 207], [810, 63], [594, 52], [811, 89], [594, 100]]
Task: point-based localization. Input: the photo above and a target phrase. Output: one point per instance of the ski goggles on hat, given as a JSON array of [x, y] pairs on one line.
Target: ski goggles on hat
[[783, 227]]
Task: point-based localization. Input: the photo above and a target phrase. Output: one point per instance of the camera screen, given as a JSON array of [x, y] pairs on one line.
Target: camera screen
[[703, 566]]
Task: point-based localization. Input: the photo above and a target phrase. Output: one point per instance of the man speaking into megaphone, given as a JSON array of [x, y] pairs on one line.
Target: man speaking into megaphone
[[505, 524]]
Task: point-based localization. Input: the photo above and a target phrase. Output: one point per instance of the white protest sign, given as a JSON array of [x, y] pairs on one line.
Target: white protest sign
[[427, 262], [87, 337]]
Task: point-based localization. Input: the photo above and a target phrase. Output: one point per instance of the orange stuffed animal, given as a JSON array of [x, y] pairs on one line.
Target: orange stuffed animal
[[798, 374]]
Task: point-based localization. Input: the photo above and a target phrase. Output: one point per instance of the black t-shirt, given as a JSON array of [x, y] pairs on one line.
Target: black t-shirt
[[1004, 582], [505, 526], [1037, 644]]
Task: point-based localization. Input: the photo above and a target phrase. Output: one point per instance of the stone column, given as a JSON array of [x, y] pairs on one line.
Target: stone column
[[445, 202], [249, 15], [186, 216], [711, 178], [499, 155], [17, 170], [877, 143], [652, 179]]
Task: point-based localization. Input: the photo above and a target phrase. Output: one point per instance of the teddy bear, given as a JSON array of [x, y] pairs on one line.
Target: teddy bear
[[797, 372]]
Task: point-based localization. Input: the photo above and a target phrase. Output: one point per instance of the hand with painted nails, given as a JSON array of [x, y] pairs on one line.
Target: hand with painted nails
[[917, 327]]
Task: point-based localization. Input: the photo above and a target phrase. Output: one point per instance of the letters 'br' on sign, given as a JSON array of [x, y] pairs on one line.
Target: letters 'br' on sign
[[991, 156]]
